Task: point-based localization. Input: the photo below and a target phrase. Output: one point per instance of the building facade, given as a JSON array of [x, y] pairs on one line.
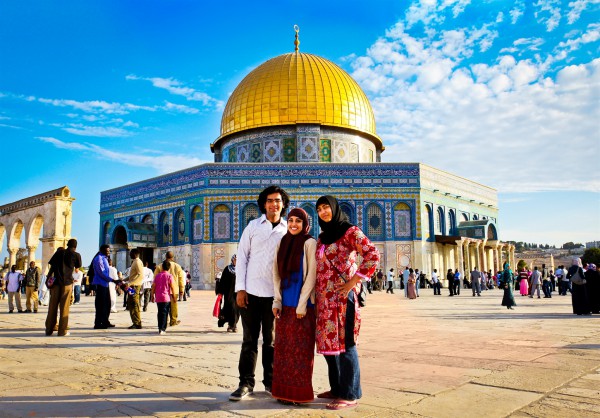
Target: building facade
[[301, 122]]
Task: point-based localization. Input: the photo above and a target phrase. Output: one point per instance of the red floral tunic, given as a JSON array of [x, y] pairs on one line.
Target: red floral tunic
[[331, 306]]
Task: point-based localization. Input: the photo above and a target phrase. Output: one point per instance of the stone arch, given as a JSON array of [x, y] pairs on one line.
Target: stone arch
[[440, 221], [475, 217], [249, 213], [465, 217], [375, 221], [106, 233], [179, 227], [119, 235], [349, 211], [452, 222], [428, 223], [48, 214], [492, 232], [164, 229], [312, 218]]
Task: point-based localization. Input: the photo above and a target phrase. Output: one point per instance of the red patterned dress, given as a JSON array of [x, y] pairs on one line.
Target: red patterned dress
[[333, 259]]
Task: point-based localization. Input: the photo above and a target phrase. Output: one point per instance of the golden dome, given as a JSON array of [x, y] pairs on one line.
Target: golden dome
[[298, 88]]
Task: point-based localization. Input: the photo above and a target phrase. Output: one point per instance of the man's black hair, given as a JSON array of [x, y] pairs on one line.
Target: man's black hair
[[134, 253], [72, 243], [262, 198]]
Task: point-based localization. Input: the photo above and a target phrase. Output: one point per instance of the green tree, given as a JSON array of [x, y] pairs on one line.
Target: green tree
[[591, 255]]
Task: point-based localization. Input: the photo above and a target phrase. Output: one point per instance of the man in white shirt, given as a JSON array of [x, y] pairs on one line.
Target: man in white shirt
[[77, 278], [112, 287], [390, 280], [13, 284], [147, 285], [255, 289], [435, 281]]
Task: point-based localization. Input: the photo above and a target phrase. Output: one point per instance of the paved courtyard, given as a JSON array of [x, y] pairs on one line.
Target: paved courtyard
[[431, 357]]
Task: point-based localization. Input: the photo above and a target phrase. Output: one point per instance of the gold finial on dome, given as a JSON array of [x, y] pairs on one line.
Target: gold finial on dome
[[296, 41]]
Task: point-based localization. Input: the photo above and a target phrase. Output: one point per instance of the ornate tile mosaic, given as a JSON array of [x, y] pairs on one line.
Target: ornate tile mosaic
[[256, 153], [196, 264], [341, 153], [236, 222], [225, 155], [402, 223], [232, 154], [388, 220], [289, 150], [325, 150], [308, 149], [403, 256], [222, 225], [218, 263], [353, 153], [272, 151], [243, 153]]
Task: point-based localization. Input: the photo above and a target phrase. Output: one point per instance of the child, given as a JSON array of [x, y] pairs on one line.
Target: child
[[163, 292]]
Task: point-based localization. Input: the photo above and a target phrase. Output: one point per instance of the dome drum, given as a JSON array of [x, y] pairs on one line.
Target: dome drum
[[300, 143]]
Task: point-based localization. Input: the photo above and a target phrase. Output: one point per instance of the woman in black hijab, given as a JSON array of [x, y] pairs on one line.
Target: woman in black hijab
[[338, 313]]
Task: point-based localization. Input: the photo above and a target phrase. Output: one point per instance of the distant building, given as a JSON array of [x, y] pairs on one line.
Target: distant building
[[592, 244]]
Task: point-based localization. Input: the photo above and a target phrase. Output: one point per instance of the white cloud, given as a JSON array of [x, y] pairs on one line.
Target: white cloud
[[97, 131], [176, 87], [577, 7], [163, 163], [513, 124], [549, 13], [517, 11]]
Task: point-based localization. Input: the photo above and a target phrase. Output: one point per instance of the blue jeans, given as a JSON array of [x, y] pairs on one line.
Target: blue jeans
[[163, 314], [344, 370], [546, 285], [77, 292]]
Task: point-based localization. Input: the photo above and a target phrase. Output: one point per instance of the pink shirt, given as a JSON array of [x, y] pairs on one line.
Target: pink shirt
[[163, 283]]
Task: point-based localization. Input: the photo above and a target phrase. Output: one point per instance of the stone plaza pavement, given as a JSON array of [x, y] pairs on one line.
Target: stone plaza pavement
[[430, 357]]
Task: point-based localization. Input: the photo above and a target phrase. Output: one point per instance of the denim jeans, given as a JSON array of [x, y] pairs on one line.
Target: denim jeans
[[344, 370], [163, 314], [258, 314], [546, 288], [77, 292]]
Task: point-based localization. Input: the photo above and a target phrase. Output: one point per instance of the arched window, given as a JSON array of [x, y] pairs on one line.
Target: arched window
[[120, 235], [348, 210], [179, 227], [492, 234], [249, 213], [452, 222], [148, 219], [106, 233], [131, 219], [465, 217], [440, 227], [221, 223], [428, 223], [374, 221], [164, 230], [402, 221], [196, 217], [475, 217], [312, 219]]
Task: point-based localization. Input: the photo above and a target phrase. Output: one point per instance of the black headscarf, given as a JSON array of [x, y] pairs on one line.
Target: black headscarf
[[338, 225], [291, 248]]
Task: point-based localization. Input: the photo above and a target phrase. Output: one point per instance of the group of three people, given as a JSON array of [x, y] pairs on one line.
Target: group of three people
[[310, 288]]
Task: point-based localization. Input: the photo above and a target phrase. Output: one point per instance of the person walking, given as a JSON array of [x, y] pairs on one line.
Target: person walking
[[435, 280], [32, 284], [77, 278], [457, 277], [100, 278], [508, 280], [338, 311], [476, 282], [412, 284], [523, 282], [63, 263], [13, 281], [148, 279], [405, 275], [390, 280], [134, 281], [163, 292], [450, 280], [579, 298], [179, 276], [295, 275], [226, 287], [255, 288], [536, 279], [592, 285]]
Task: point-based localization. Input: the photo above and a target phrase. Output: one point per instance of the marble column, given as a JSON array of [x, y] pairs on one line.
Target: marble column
[[12, 256], [460, 255], [31, 249]]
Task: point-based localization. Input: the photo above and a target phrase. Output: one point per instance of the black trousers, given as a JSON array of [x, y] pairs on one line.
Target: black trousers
[[258, 314], [457, 287], [390, 287], [102, 303]]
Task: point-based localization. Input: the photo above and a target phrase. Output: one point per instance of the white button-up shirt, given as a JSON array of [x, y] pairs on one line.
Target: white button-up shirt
[[255, 255]]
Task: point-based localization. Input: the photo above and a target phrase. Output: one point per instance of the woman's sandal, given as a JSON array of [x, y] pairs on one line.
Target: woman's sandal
[[341, 404], [326, 395]]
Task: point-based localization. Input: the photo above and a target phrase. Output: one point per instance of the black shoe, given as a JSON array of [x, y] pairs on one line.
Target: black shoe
[[135, 327], [240, 393], [110, 325]]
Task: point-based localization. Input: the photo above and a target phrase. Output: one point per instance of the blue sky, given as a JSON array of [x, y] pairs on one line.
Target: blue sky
[[98, 94]]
